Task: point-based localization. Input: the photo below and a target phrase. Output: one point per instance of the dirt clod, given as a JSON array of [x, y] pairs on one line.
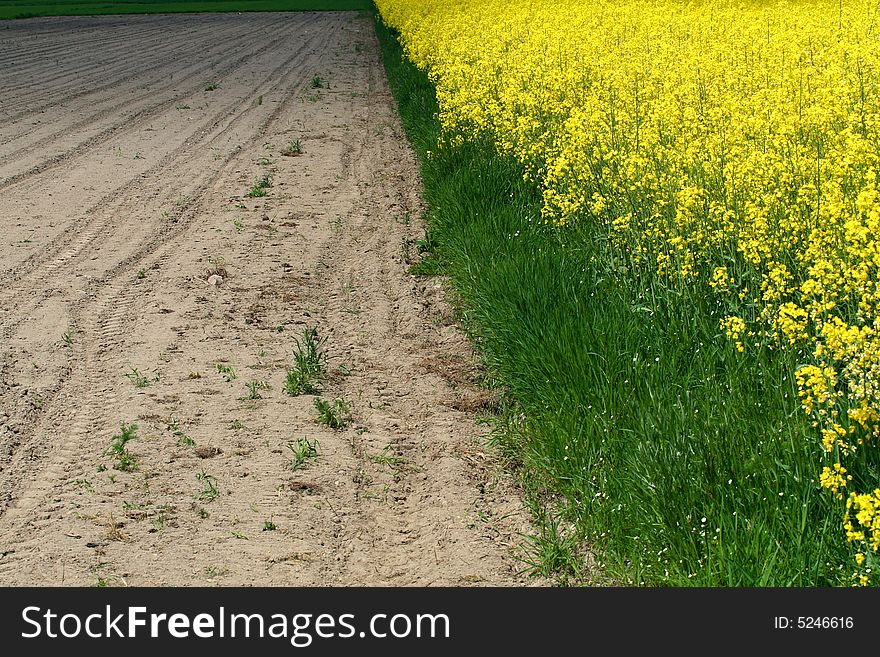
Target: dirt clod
[[207, 452]]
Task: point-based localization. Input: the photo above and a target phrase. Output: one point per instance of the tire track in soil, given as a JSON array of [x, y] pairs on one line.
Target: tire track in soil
[[73, 242], [120, 301], [33, 63], [134, 70], [67, 42], [39, 58], [138, 68], [28, 96], [406, 495], [129, 124]]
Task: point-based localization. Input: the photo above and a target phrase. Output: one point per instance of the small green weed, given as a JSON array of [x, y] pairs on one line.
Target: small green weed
[[209, 491], [335, 414], [292, 149], [138, 379], [302, 449], [254, 388], [553, 553], [259, 187], [309, 367], [183, 440], [388, 457], [228, 371], [125, 461]]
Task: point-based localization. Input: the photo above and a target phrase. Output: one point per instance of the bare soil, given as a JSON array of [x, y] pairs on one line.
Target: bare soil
[[130, 249]]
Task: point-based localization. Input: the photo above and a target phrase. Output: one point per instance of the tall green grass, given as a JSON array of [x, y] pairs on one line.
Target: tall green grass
[[30, 9], [644, 438]]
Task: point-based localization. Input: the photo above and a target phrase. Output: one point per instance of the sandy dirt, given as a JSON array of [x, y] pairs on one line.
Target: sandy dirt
[[127, 149]]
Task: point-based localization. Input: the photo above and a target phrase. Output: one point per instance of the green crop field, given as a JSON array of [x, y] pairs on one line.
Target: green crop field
[[29, 8]]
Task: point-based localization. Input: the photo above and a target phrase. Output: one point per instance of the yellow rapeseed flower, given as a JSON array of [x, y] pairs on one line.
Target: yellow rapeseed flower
[[704, 138]]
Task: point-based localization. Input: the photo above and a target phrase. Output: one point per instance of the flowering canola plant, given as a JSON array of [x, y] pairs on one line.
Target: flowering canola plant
[[727, 144]]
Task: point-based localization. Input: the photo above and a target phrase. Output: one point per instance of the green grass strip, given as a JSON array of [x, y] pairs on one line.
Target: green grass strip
[[31, 9], [643, 437]]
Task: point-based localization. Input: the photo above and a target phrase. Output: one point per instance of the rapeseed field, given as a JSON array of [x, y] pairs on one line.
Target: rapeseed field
[[725, 155]]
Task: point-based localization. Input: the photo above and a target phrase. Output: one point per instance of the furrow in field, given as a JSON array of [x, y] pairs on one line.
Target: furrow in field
[[67, 132], [160, 64], [78, 238], [130, 122], [116, 298], [390, 499], [72, 82], [78, 46]]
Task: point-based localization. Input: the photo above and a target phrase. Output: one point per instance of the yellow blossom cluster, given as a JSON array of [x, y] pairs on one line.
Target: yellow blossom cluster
[[734, 327], [834, 479], [733, 144], [864, 508]]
